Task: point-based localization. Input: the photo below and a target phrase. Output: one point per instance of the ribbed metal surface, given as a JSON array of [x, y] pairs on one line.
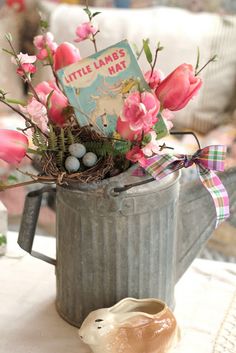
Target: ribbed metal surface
[[109, 248]]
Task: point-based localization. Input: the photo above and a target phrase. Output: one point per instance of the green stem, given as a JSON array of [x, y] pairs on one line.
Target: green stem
[[208, 62]]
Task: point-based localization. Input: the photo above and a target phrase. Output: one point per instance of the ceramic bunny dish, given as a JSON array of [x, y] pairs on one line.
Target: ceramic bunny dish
[[131, 326]]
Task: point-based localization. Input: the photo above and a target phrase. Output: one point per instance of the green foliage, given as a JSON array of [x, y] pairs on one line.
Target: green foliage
[[3, 239], [147, 50], [198, 60], [96, 13], [61, 140], [100, 148], [39, 141], [52, 139], [8, 37], [48, 103], [12, 179], [88, 12], [60, 158], [70, 137], [147, 138], [121, 147]]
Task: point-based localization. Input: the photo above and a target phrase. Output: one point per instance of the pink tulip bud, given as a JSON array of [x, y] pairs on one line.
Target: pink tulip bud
[[57, 102], [175, 91], [66, 54], [57, 106], [13, 146]]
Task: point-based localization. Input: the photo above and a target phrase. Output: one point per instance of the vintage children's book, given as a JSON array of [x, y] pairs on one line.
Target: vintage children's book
[[97, 86]]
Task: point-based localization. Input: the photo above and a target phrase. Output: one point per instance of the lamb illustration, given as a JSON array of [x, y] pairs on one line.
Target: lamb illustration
[[106, 105], [110, 103], [131, 326]]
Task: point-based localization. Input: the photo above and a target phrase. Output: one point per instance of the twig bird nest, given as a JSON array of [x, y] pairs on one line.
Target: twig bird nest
[[54, 157]]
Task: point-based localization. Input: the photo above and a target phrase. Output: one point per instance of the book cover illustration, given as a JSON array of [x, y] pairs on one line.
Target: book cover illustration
[[97, 85]]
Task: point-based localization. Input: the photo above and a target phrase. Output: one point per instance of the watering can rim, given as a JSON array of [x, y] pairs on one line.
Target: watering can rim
[[123, 179]]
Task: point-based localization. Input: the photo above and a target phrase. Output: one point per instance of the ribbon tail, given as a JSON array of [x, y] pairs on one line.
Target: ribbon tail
[[218, 193]]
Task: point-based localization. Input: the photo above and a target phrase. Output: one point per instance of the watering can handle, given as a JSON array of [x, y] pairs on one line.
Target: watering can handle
[[29, 222]]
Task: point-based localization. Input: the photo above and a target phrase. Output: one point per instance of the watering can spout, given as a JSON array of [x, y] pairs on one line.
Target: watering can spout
[[197, 218]]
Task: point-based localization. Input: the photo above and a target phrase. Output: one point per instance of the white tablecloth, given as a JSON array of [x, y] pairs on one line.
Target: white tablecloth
[[29, 323]]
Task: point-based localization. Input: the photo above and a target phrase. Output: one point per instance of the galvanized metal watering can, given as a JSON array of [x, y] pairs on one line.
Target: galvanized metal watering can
[[112, 245]]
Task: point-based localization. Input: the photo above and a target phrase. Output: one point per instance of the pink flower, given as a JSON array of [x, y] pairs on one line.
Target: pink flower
[[24, 59], [140, 111], [25, 64], [37, 112], [178, 88], [57, 102], [122, 127], [26, 69], [154, 80], [13, 146], [45, 45], [152, 146], [85, 31], [136, 155], [66, 54], [17, 5], [167, 115]]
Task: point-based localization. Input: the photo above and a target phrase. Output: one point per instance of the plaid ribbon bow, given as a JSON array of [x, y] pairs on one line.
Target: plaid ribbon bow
[[206, 160]]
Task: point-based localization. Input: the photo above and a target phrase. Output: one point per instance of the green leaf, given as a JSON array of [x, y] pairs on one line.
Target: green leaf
[[12, 179], [95, 14], [49, 99], [8, 37], [44, 24], [122, 147], [32, 151], [3, 239], [147, 50], [160, 127], [147, 138], [198, 59], [88, 12], [8, 51]]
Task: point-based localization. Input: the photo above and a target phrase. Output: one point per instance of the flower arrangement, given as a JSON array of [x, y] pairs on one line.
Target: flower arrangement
[[69, 152]]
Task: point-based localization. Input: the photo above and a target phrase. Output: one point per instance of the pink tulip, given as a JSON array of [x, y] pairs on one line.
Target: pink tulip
[[13, 146], [17, 5], [57, 102], [155, 79], [140, 111], [66, 54], [178, 88], [85, 31]]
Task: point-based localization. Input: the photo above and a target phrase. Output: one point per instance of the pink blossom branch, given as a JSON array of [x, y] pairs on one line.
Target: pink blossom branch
[[23, 70], [28, 120]]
